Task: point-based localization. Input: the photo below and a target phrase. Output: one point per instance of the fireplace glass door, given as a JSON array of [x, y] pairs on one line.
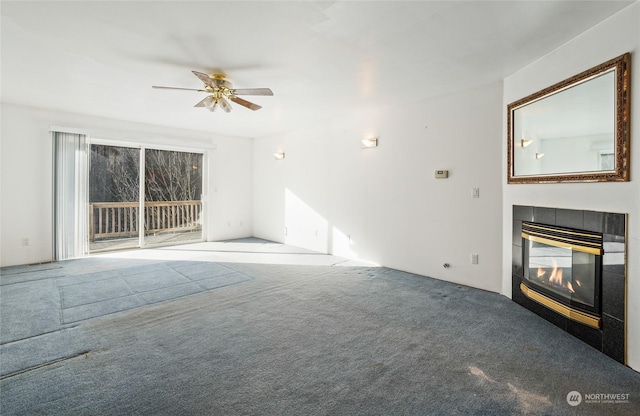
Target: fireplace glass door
[[564, 265], [562, 271]]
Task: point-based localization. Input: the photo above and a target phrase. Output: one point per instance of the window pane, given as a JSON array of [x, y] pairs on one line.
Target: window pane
[[173, 188], [114, 197]]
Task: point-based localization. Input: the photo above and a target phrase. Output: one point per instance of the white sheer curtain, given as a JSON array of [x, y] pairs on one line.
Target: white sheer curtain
[[71, 194]]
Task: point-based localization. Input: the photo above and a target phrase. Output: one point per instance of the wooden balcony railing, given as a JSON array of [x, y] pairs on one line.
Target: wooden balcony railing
[[122, 219]]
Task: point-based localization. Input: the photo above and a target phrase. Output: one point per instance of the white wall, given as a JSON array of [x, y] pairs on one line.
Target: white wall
[[384, 204], [615, 36], [26, 192], [230, 189]]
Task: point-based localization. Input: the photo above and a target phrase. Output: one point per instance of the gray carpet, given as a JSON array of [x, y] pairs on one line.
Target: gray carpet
[[106, 336]]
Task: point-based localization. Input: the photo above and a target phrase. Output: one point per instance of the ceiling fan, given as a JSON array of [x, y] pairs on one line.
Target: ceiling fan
[[222, 92]]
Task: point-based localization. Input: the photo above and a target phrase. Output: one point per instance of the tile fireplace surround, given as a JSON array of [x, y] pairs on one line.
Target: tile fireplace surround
[[610, 338]]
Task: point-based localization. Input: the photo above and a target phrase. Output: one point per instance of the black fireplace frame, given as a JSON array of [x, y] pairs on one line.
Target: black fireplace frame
[[610, 336]]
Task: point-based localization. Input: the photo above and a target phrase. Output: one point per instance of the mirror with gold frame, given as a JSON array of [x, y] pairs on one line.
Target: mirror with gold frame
[[574, 131]]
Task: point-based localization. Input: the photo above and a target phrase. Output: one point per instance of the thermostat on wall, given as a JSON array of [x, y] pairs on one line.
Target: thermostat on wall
[[442, 174]]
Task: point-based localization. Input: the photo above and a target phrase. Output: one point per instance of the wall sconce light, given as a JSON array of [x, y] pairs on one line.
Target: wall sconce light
[[373, 142], [539, 155], [279, 155], [525, 143]]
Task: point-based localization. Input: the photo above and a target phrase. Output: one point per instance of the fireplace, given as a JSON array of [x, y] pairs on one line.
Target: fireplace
[[569, 267], [562, 269]]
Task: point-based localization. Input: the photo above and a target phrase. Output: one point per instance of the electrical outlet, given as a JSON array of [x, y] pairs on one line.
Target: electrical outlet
[[474, 258], [25, 242]]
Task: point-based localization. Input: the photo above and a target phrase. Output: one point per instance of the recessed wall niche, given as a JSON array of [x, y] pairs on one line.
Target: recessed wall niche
[[609, 334]]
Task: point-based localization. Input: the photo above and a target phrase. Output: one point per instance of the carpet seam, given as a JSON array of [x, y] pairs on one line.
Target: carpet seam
[[47, 364], [39, 335]]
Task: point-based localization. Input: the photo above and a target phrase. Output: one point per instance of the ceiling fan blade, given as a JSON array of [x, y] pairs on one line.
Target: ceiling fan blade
[[253, 91], [205, 78], [245, 103], [177, 88]]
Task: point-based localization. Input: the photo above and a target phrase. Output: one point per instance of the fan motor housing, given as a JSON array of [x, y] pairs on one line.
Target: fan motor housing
[[221, 82]]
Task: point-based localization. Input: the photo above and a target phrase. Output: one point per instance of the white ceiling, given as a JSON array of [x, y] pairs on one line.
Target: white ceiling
[[322, 59]]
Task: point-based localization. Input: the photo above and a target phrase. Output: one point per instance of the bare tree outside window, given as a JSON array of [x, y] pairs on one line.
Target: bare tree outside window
[[114, 174], [172, 176]]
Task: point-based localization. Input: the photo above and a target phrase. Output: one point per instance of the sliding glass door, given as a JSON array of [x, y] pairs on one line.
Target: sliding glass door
[[114, 198], [172, 196], [143, 197]]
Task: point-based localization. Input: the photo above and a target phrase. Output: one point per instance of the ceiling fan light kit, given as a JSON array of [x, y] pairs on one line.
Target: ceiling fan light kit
[[222, 92]]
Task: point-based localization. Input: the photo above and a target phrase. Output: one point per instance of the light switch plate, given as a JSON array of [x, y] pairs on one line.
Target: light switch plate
[[442, 174]]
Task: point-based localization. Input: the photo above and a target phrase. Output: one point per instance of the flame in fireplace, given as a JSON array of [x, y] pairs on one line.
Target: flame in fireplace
[[555, 278], [556, 274], [570, 287]]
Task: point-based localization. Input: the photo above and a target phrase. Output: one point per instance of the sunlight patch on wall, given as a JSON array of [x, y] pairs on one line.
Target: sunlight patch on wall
[[304, 227], [343, 245]]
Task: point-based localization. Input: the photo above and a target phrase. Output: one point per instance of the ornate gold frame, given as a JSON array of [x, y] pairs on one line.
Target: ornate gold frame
[[622, 65]]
